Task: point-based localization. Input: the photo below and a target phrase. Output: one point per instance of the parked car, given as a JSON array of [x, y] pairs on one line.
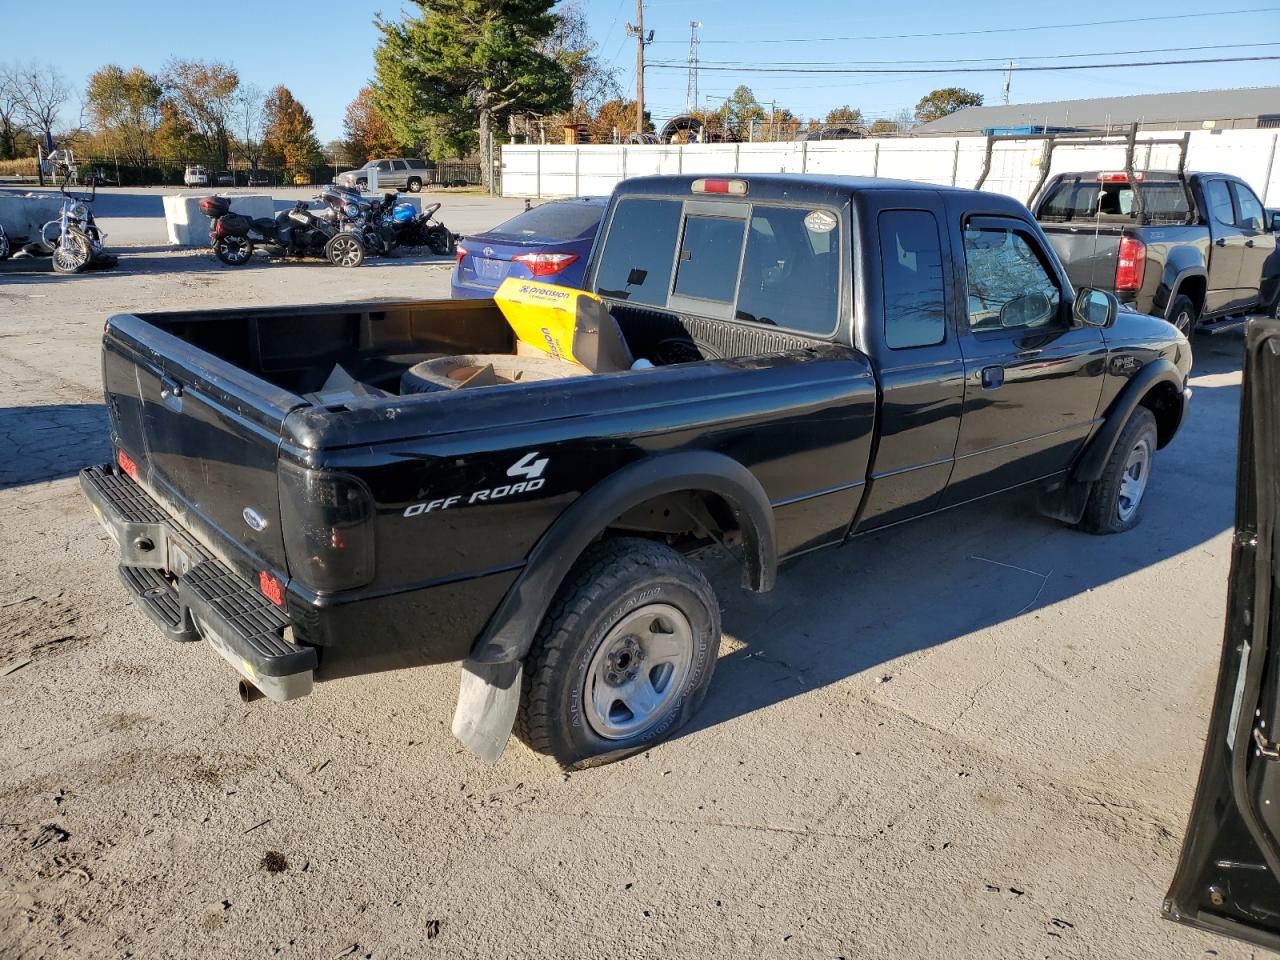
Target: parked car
[[195, 176], [1193, 248], [318, 509], [225, 179], [549, 242], [1227, 875], [404, 173], [256, 178]]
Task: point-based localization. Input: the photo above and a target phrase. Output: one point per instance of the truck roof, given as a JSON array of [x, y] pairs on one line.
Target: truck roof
[[775, 185]]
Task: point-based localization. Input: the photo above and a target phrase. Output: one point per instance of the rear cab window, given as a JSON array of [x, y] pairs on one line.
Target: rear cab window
[[1104, 195], [762, 263]]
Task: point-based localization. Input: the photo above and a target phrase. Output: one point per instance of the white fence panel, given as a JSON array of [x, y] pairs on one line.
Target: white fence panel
[[711, 158], [849, 158]]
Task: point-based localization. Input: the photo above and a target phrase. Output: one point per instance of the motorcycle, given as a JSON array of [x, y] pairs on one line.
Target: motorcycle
[[297, 232], [359, 216], [413, 229], [73, 239]]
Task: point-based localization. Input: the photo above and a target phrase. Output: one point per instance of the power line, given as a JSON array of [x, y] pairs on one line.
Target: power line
[[970, 33], [1003, 59], [993, 69]]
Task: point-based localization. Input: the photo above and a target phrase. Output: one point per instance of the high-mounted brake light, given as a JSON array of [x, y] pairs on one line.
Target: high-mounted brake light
[[1131, 263], [271, 587], [1120, 177], [737, 188], [127, 465], [545, 264]]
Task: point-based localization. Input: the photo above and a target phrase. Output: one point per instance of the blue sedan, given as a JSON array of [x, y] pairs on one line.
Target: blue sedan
[[549, 242]]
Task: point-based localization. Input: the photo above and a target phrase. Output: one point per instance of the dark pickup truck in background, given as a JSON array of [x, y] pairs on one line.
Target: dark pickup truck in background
[[829, 355], [1195, 248]]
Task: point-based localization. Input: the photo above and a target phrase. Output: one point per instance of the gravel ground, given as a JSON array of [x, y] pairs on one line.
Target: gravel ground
[[975, 736]]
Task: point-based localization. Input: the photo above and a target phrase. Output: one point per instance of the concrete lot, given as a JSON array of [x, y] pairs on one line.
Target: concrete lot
[[975, 736]]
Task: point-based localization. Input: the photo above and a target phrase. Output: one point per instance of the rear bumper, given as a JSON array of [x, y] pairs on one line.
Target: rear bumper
[[191, 595]]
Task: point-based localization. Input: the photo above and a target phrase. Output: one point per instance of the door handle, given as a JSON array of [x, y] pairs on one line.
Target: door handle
[[1248, 243], [1029, 353], [1220, 242], [992, 378]]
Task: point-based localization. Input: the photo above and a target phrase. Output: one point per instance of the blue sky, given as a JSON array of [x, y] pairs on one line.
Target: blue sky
[[323, 50]]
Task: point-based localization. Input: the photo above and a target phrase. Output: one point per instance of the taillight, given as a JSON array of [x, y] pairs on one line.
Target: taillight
[[1131, 263], [327, 522], [127, 465], [545, 264], [461, 252], [271, 587]]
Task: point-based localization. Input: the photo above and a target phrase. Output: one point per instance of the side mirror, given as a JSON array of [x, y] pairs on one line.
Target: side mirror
[[1029, 310], [1095, 308]]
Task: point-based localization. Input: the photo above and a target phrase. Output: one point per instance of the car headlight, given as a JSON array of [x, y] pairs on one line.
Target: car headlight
[[351, 210]]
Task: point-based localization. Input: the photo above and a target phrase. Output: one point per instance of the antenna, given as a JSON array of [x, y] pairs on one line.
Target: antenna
[[642, 41], [691, 95]]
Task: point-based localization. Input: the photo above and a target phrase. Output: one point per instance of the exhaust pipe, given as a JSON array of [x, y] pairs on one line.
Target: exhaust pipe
[[248, 692]]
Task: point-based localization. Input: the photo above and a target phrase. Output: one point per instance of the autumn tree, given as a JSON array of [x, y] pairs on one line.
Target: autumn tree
[[249, 111], [290, 135], [124, 109], [175, 138], [882, 127], [944, 102], [368, 135], [845, 116], [570, 45], [202, 95], [615, 114], [741, 109], [467, 65]]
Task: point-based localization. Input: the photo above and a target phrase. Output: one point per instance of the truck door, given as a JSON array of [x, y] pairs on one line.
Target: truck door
[[1226, 880], [1033, 379], [1226, 254], [918, 363], [1259, 242]]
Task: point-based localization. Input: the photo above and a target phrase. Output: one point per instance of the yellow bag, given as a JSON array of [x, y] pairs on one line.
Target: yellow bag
[[568, 324]]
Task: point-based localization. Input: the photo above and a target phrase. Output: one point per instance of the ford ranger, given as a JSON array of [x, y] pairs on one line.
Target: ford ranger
[[817, 357]]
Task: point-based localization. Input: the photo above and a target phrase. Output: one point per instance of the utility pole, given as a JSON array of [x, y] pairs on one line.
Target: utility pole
[[691, 95], [773, 119], [1008, 78], [642, 41]]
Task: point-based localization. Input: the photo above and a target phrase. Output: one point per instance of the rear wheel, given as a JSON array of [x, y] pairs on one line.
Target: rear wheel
[[344, 250], [624, 656], [72, 252], [1116, 500], [1183, 315], [233, 251]]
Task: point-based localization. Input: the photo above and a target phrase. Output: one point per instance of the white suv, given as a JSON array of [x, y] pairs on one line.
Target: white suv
[[195, 176]]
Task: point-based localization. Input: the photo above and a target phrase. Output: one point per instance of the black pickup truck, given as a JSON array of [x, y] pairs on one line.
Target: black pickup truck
[[826, 356], [1197, 249]]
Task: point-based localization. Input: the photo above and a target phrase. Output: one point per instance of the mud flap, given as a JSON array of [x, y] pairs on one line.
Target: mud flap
[[488, 697]]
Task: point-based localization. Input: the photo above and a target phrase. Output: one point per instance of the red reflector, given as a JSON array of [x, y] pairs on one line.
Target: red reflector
[[545, 264], [127, 465], [271, 588], [717, 185], [1131, 263]]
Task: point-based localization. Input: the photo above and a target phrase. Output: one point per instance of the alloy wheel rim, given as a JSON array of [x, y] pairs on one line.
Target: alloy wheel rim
[[345, 248], [235, 251], [638, 669], [1133, 481], [71, 253]]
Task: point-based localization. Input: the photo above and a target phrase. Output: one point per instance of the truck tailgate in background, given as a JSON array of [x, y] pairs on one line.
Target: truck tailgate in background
[[1088, 251], [204, 436]]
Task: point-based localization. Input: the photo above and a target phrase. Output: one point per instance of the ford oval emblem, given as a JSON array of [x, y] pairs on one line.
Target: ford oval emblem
[[254, 519]]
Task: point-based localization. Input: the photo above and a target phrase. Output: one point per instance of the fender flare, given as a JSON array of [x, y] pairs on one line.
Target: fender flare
[[1172, 287], [511, 629], [1093, 459]]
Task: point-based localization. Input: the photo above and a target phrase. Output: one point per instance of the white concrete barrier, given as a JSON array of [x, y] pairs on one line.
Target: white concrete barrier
[[189, 227], [23, 214]]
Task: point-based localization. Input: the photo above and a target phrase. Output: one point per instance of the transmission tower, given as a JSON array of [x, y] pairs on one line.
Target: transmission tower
[[691, 96]]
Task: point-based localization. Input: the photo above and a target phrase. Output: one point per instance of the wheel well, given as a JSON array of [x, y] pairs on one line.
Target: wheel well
[[1193, 288], [684, 519], [1165, 401]]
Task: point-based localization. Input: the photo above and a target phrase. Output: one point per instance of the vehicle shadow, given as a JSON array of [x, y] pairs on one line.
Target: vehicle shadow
[[52, 441], [845, 611]]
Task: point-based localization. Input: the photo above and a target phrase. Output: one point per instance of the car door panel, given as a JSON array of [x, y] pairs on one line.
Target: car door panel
[[1259, 242], [1226, 879], [1226, 253], [1031, 389]]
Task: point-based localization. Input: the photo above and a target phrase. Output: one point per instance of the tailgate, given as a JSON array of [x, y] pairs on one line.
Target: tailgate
[[1087, 250], [204, 435]]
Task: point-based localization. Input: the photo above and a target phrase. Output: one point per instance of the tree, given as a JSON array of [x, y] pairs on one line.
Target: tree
[[368, 135], [944, 102], [882, 127], [202, 94], [12, 131], [175, 138], [465, 65], [41, 93], [845, 116], [615, 114], [740, 110], [290, 136], [250, 112], [124, 108], [571, 46]]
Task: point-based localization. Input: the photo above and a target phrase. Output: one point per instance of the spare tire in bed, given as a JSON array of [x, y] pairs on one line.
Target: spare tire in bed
[[450, 373]]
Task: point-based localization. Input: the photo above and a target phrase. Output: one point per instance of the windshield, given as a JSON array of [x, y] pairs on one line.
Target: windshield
[[1083, 198], [559, 220]]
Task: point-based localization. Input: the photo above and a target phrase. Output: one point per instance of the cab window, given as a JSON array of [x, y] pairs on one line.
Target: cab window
[[911, 266], [1009, 286], [791, 269], [637, 254], [1218, 198], [1250, 208]]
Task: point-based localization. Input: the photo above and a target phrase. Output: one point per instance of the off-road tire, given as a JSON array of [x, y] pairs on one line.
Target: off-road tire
[[1102, 513], [414, 185], [612, 579], [1184, 315]]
